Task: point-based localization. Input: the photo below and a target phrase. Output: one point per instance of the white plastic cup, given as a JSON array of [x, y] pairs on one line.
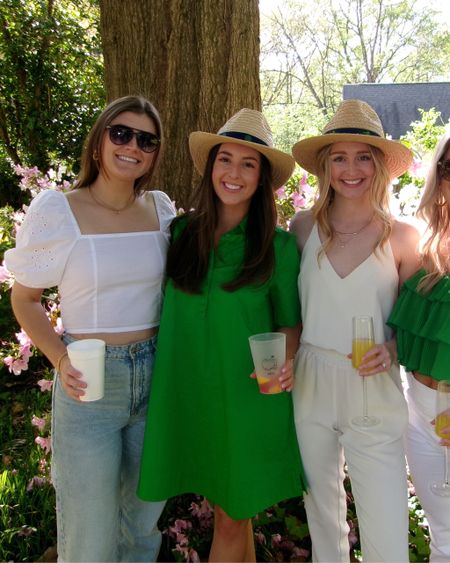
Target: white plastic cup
[[269, 354], [88, 356]]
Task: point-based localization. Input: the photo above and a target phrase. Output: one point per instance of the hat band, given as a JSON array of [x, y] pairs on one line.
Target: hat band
[[354, 131], [243, 137]]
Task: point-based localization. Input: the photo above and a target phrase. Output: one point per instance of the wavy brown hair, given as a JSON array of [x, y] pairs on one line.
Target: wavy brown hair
[[90, 166], [379, 196], [434, 209], [189, 254]]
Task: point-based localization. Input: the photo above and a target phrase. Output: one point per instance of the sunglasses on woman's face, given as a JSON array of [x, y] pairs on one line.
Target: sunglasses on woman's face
[[444, 169], [122, 135]]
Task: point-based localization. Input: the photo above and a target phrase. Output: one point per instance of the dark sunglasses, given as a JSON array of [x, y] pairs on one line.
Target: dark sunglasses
[[444, 169], [122, 135]]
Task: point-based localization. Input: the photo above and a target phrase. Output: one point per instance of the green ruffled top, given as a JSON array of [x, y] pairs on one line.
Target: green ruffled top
[[422, 324]]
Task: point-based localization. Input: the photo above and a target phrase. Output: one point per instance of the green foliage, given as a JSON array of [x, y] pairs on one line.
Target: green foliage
[[308, 55], [424, 133], [47, 103], [27, 505], [8, 324]]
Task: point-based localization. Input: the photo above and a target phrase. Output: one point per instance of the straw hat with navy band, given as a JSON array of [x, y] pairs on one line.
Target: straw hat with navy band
[[357, 122], [247, 127]]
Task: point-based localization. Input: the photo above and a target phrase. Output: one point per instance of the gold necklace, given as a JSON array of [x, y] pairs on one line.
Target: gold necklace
[[353, 234], [129, 203]]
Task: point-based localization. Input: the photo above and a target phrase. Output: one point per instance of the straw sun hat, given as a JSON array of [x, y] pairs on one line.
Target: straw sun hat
[[247, 127], [354, 121]]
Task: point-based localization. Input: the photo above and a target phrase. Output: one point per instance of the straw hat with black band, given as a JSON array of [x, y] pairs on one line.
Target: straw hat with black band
[[247, 127], [354, 121]]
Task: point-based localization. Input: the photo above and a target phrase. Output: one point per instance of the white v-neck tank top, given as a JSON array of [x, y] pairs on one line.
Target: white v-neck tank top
[[329, 302]]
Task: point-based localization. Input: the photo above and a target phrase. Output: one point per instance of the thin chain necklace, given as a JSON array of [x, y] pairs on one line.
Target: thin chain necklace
[[115, 210], [343, 243]]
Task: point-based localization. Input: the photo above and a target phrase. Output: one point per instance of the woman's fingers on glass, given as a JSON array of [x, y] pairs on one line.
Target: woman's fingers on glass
[[286, 377], [376, 360], [72, 383]]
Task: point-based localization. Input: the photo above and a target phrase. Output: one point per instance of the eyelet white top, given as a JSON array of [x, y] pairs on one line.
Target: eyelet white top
[[107, 282]]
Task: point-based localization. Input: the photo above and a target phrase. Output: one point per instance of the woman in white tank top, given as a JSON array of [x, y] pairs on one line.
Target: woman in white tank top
[[354, 258]]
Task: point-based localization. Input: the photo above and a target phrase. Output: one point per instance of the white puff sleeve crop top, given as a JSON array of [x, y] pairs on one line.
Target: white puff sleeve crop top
[[107, 282]]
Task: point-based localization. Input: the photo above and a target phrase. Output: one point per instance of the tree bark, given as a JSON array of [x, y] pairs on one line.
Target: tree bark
[[196, 60]]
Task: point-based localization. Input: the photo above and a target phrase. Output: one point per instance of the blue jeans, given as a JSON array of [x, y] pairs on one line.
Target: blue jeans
[[96, 460]]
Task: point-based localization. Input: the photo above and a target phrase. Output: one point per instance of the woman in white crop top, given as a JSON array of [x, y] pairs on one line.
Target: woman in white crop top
[[104, 246], [355, 255]]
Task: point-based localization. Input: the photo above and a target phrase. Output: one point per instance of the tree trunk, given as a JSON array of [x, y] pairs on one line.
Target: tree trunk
[[196, 60]]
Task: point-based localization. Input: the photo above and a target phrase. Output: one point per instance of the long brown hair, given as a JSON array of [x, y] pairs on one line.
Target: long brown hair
[[434, 209], [379, 196], [91, 157], [189, 254]]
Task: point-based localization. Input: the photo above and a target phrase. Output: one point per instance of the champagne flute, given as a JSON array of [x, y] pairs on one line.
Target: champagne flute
[[363, 340], [442, 422]]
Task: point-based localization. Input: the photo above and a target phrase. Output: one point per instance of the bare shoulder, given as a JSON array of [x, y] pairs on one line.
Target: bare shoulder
[[301, 225], [405, 238], [78, 195], [404, 232]]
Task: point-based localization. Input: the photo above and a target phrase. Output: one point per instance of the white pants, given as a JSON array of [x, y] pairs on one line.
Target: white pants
[[327, 395], [426, 459]]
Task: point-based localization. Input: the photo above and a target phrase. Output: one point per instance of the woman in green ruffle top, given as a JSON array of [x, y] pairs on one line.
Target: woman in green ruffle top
[[421, 319]]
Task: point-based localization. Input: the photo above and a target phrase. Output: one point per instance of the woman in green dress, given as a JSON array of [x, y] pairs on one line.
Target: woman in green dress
[[231, 273], [421, 319]]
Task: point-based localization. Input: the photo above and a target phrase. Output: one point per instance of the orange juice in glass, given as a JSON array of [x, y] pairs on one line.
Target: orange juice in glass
[[442, 421], [268, 350], [362, 341], [359, 347]]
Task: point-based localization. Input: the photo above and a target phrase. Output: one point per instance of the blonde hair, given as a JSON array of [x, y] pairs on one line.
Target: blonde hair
[[434, 209], [379, 196]]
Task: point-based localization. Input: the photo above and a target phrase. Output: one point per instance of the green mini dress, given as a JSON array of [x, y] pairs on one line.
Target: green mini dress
[[209, 430], [422, 325]]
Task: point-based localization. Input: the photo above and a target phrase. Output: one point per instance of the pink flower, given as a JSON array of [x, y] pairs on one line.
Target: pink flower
[[45, 384], [303, 181], [260, 538], [26, 531], [202, 509], [45, 443], [16, 365], [59, 329], [181, 539], [23, 338], [298, 552], [298, 201], [36, 482], [25, 351], [18, 217], [276, 540], [180, 526], [8, 361], [38, 422], [281, 192], [193, 556], [352, 538], [416, 169]]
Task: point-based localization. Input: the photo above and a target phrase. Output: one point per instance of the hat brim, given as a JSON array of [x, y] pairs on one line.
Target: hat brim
[[200, 144], [398, 158]]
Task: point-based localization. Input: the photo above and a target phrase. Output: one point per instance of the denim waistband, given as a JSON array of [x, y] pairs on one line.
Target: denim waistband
[[122, 350]]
